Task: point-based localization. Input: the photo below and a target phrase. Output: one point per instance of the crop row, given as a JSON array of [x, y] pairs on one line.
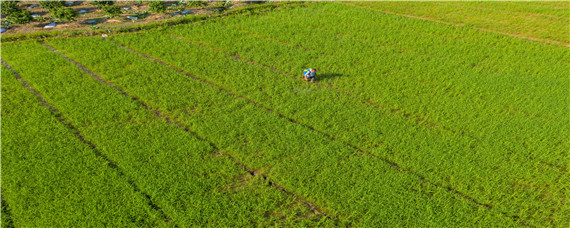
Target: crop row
[[439, 155], [355, 188], [454, 104], [49, 172], [178, 172]]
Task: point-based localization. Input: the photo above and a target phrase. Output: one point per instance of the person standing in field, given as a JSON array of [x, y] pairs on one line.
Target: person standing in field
[[310, 74]]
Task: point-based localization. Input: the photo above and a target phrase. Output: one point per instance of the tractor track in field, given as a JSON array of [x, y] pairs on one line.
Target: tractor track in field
[[361, 151], [461, 24], [253, 173], [216, 150], [418, 119], [82, 138]]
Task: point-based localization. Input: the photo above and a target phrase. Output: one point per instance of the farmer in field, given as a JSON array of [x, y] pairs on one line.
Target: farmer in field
[[310, 74]]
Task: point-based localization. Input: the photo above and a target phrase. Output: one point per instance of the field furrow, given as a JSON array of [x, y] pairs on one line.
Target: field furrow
[[474, 116], [177, 170], [61, 118], [422, 114], [66, 181], [329, 137], [189, 56], [169, 120], [274, 146]]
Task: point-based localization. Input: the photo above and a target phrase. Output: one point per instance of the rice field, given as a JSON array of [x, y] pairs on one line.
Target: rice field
[[423, 114]]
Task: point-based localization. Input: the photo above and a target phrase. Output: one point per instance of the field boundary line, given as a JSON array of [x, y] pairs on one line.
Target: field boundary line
[[59, 116], [417, 118], [394, 165], [216, 150], [541, 40], [461, 132]]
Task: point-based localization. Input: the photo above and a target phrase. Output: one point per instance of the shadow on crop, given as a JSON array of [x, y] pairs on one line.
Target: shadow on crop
[[328, 76]]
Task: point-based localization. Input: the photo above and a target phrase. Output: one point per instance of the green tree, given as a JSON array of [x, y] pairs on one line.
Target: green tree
[[157, 6], [195, 4], [51, 5], [20, 17], [102, 4], [64, 14], [8, 7], [111, 10]]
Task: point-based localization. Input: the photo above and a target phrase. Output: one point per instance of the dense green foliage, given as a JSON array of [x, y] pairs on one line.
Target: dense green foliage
[[108, 7], [156, 6], [12, 14], [101, 4], [8, 7], [52, 4], [112, 10], [19, 16], [411, 122], [194, 4], [64, 14]]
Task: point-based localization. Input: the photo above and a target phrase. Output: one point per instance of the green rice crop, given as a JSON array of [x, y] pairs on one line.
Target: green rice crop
[[440, 154], [542, 20], [411, 122], [51, 178], [180, 173], [333, 173]]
